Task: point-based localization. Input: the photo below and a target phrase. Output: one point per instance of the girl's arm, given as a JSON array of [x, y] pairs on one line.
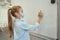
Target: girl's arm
[[26, 26]]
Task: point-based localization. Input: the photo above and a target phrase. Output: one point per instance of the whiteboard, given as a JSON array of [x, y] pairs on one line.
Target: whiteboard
[[48, 25]]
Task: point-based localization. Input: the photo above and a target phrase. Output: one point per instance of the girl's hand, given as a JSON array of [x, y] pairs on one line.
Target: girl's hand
[[40, 16]]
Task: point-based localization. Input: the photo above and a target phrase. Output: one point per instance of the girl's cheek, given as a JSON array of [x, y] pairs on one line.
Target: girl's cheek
[[19, 15]]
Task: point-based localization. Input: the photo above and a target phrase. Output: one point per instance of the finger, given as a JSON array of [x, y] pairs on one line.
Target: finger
[[41, 11]]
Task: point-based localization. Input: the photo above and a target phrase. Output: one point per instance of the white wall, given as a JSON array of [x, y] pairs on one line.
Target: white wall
[[48, 25], [3, 16]]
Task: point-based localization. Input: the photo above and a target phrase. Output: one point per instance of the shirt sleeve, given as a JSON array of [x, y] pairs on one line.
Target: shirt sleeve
[[26, 26]]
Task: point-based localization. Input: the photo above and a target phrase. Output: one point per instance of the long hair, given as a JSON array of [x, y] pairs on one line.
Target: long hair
[[11, 11]]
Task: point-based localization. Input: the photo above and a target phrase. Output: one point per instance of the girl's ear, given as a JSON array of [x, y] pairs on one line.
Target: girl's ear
[[16, 14]]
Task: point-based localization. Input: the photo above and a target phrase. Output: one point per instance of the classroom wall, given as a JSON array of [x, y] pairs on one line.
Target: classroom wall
[[3, 16]]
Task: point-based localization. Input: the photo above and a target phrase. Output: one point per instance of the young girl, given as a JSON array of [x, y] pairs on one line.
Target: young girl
[[20, 29]]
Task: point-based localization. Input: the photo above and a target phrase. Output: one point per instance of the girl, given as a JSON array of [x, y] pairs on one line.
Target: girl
[[20, 29]]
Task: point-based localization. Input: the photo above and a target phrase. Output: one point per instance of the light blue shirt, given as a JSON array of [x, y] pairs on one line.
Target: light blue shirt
[[21, 29]]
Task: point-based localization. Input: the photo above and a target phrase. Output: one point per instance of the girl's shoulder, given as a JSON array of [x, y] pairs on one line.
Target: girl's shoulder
[[18, 21]]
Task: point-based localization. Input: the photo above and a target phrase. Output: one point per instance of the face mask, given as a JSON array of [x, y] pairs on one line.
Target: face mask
[[22, 17]]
